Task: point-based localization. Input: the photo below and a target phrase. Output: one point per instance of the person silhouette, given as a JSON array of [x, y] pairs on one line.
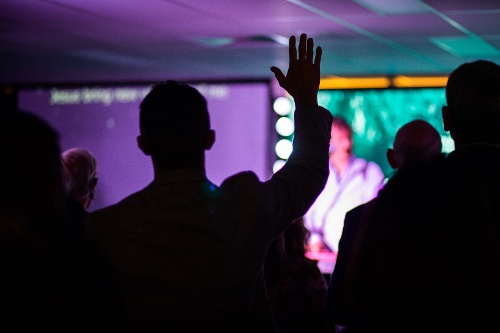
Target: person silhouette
[[41, 290], [185, 255], [294, 283], [429, 259], [79, 172], [416, 144]]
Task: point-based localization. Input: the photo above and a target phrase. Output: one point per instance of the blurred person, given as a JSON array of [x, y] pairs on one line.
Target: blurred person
[[30, 193], [40, 290], [185, 255], [295, 285], [81, 178], [352, 182], [79, 171]]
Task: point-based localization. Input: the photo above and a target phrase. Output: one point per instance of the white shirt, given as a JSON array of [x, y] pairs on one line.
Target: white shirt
[[358, 184]]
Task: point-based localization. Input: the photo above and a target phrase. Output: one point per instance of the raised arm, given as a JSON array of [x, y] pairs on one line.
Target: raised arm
[[302, 78], [293, 189]]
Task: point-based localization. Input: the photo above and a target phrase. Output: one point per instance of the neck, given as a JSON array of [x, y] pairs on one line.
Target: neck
[[84, 201], [160, 168]]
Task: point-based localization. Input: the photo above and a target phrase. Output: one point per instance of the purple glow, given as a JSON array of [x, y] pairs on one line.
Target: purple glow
[[105, 121]]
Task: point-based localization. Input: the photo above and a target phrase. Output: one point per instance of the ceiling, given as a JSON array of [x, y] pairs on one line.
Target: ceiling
[[72, 41]]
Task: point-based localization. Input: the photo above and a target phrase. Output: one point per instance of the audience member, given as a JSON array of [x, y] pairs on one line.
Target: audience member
[[79, 171], [430, 260], [295, 285], [416, 144], [39, 291], [352, 182], [185, 255]]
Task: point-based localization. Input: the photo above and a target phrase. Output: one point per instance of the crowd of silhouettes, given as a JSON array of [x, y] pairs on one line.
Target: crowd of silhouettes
[[426, 257], [185, 255]]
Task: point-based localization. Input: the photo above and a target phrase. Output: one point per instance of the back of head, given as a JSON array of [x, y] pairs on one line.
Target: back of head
[[174, 124], [31, 167], [473, 97], [80, 172], [416, 142]]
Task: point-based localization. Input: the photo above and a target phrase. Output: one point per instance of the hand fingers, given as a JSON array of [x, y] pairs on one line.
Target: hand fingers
[[292, 50], [278, 74], [317, 59], [302, 47], [310, 48]]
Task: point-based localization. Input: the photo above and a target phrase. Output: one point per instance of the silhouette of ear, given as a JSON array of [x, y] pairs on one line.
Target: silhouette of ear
[[94, 182], [390, 158], [142, 143], [445, 111], [210, 139]]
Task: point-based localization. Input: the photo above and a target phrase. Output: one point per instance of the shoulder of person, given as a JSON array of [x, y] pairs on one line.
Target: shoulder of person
[[107, 213], [100, 216], [421, 181], [372, 166], [243, 178], [366, 166]]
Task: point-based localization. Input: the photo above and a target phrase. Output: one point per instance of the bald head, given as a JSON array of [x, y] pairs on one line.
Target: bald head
[[416, 142]]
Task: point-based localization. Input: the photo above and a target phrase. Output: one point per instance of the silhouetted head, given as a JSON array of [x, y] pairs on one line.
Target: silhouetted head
[[341, 135], [473, 97], [31, 169], [416, 142], [175, 126], [79, 175]]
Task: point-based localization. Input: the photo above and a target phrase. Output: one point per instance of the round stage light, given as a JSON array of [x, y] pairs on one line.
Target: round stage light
[[282, 106], [284, 148], [284, 126]]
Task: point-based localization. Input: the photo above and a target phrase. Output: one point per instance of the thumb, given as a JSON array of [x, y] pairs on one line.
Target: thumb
[[278, 74]]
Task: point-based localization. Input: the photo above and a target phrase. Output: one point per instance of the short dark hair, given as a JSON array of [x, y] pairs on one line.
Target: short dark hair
[[174, 122], [473, 97]]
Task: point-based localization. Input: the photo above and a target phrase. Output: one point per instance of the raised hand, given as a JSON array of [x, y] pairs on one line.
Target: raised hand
[[302, 79]]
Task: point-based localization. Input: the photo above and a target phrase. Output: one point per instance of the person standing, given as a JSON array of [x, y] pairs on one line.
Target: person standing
[[184, 255], [429, 260], [417, 145], [352, 182], [80, 178]]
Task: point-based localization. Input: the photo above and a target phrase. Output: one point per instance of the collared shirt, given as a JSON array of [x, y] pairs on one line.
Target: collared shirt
[[358, 184]]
